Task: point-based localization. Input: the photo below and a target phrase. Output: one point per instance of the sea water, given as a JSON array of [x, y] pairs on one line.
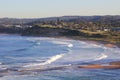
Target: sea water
[[43, 58]]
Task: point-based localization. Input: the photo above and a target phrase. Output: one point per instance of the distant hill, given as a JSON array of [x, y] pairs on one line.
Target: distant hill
[[13, 21], [63, 18]]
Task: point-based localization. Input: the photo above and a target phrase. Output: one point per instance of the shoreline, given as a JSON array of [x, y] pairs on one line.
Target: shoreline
[[105, 43]]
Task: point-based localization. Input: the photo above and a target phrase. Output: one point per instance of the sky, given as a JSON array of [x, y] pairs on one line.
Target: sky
[[53, 8]]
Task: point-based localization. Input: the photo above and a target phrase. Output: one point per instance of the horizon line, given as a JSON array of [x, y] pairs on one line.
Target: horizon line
[[54, 16]]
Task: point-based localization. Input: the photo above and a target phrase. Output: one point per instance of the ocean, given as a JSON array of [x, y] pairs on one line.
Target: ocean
[[44, 58]]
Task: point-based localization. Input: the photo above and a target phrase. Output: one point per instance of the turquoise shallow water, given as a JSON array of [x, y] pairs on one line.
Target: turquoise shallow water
[[54, 59]]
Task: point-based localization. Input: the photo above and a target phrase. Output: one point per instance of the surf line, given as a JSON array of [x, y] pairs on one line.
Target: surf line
[[52, 59], [110, 65]]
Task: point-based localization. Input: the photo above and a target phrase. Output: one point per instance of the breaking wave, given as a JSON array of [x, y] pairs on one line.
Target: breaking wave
[[52, 59], [70, 45], [103, 56], [64, 43]]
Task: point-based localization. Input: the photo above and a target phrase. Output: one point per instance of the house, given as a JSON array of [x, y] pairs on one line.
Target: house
[[106, 29]]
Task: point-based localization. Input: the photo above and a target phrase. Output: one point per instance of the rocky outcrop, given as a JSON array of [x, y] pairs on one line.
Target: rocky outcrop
[[111, 65]]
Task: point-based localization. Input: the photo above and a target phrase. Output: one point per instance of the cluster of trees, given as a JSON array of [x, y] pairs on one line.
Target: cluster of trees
[[91, 23]]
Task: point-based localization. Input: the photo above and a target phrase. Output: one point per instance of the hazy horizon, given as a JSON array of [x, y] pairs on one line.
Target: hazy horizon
[[57, 8], [53, 16]]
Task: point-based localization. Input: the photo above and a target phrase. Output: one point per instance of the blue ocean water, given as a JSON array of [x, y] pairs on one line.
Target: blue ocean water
[[43, 58]]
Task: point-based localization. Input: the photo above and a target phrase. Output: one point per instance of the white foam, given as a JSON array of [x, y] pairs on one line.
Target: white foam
[[103, 56], [1, 63], [70, 45], [52, 59], [60, 42], [64, 43], [91, 45], [31, 40]]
